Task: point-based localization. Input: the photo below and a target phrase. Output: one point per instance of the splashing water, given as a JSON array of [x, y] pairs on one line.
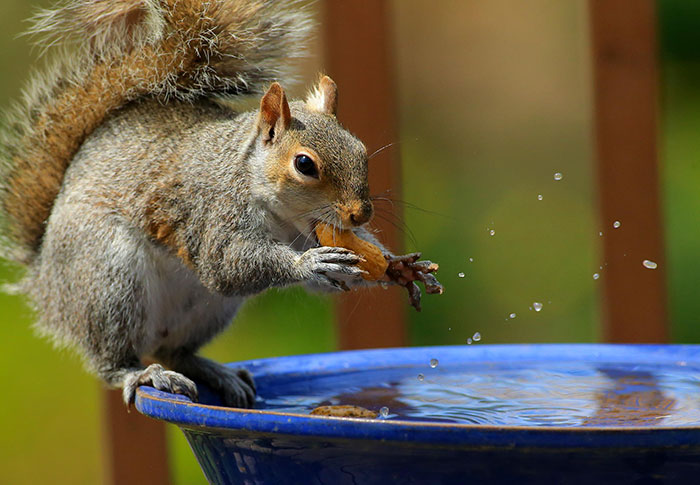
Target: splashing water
[[537, 306], [649, 264]]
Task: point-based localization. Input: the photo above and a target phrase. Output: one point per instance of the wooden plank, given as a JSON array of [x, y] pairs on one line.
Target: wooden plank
[[626, 97], [357, 56], [135, 447]]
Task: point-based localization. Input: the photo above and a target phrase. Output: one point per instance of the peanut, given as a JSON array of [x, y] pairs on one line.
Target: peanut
[[374, 262]]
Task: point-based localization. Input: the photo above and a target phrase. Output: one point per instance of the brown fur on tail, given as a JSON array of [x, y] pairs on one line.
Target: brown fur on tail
[[117, 51]]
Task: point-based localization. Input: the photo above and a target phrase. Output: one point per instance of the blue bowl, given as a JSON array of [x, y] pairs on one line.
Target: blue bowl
[[274, 446]]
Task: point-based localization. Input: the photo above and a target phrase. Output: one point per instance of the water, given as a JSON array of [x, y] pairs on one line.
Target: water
[[384, 412], [517, 394], [649, 264], [461, 275], [537, 306], [492, 232], [558, 176], [596, 276], [512, 315], [476, 337], [434, 363], [420, 377], [539, 197], [616, 224]]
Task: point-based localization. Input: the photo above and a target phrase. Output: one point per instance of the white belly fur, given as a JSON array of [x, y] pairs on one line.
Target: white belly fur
[[178, 308]]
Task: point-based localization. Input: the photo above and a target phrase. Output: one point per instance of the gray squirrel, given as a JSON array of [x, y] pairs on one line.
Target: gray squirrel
[[146, 209]]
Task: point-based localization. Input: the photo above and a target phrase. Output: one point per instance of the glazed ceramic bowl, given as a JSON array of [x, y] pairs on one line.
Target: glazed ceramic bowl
[[635, 427]]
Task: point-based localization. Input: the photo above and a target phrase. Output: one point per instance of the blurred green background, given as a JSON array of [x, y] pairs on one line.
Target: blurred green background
[[494, 99]]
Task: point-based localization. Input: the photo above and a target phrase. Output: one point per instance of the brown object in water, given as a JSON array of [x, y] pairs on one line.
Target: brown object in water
[[344, 411], [374, 263]]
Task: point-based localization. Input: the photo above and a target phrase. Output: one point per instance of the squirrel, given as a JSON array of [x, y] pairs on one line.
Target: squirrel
[[146, 209]]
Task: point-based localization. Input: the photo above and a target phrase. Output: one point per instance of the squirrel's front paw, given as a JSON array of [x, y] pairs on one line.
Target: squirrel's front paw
[[156, 376], [327, 266]]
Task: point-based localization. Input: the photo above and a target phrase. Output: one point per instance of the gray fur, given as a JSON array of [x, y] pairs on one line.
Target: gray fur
[[154, 211], [105, 285]]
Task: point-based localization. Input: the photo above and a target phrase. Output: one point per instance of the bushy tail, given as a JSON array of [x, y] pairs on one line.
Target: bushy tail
[[115, 51]]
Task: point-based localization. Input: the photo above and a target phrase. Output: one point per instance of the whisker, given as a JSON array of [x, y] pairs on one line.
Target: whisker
[[380, 150], [409, 205], [398, 224]]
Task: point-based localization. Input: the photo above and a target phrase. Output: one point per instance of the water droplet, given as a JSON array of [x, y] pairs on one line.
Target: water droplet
[[433, 363], [469, 341], [512, 315], [471, 260], [421, 377], [558, 176], [649, 264], [492, 232], [449, 328], [477, 337], [600, 233], [461, 275], [539, 197], [596, 276], [384, 411], [537, 306], [616, 224]]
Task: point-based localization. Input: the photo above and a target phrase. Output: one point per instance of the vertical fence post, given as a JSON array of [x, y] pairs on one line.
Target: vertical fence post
[[624, 49], [135, 448], [357, 48]]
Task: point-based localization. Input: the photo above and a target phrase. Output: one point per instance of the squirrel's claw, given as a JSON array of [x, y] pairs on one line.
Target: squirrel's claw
[[156, 376]]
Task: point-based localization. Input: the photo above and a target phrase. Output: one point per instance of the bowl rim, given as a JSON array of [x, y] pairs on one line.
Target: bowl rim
[[181, 411]]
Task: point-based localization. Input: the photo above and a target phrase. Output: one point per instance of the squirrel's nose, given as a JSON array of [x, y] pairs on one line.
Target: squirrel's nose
[[363, 215]]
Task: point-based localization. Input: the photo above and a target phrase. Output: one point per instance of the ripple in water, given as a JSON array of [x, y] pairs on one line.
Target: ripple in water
[[568, 394]]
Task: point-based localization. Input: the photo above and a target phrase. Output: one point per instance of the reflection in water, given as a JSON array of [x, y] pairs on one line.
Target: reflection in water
[[533, 394], [634, 399]]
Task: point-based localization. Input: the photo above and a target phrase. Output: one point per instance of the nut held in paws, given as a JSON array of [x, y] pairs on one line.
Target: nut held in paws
[[374, 262]]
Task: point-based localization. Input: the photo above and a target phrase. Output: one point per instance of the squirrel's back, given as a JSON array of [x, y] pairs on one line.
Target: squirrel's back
[[118, 51]]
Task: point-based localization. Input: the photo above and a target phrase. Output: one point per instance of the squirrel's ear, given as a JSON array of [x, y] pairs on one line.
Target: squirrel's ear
[[324, 97], [274, 113]]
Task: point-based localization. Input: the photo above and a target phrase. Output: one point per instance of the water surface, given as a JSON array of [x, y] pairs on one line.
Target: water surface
[[522, 394]]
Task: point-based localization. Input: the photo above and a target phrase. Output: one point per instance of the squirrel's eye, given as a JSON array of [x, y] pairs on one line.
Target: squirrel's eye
[[305, 166]]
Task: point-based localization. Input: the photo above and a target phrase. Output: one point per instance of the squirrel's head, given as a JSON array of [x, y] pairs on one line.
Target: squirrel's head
[[315, 168]]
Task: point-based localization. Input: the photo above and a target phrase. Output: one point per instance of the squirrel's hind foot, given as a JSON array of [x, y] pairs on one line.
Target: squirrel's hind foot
[[234, 385], [164, 380]]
